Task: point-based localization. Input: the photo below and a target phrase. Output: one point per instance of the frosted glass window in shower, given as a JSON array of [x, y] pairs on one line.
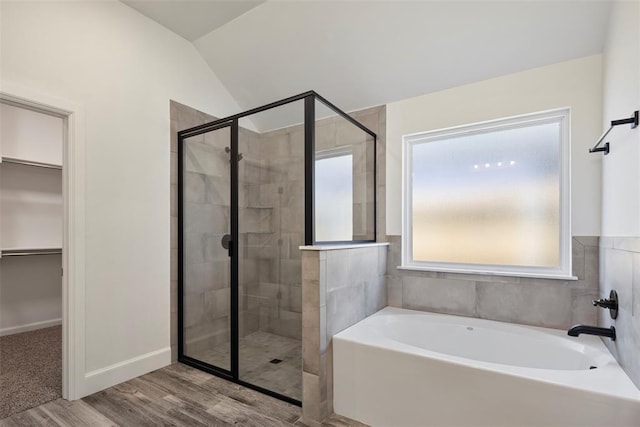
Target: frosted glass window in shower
[[334, 194], [489, 195]]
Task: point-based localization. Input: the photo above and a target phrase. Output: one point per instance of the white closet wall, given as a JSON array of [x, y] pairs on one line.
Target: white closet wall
[[30, 207], [31, 147], [30, 293], [30, 135]]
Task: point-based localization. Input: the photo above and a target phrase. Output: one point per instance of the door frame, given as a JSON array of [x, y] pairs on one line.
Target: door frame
[[73, 239]]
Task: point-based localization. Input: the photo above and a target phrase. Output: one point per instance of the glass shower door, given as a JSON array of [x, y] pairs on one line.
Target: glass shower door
[[205, 181], [270, 232]]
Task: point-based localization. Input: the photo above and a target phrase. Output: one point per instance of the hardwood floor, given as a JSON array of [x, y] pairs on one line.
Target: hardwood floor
[[173, 396]]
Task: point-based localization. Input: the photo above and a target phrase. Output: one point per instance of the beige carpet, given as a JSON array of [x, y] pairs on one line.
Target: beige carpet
[[30, 369]]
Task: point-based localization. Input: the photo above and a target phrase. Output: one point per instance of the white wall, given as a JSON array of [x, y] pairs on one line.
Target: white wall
[[621, 96], [575, 84], [122, 68], [620, 244]]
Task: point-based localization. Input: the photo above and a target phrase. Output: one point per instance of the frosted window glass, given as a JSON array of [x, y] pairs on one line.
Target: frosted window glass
[[334, 198], [490, 198]]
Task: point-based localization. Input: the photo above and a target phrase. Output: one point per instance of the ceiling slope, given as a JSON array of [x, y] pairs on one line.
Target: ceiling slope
[[192, 19], [365, 53]]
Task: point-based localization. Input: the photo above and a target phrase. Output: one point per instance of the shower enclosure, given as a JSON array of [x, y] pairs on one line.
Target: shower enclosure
[[253, 188]]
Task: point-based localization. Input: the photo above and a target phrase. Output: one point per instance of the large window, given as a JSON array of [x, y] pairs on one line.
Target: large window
[[490, 197]]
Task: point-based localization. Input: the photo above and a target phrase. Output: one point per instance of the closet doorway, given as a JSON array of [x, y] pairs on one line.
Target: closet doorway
[[33, 143]]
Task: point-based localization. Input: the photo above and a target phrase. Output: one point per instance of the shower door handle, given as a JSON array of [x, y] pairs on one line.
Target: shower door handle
[[227, 243]]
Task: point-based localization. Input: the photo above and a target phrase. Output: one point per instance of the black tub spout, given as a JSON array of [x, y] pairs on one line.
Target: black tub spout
[[593, 330]]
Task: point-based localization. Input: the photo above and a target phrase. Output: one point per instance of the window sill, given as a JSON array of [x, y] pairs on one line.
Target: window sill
[[488, 273]]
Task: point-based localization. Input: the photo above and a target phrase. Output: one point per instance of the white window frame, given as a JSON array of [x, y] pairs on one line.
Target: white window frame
[[563, 271]]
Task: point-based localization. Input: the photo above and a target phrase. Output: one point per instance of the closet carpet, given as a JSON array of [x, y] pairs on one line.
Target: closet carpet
[[30, 369]]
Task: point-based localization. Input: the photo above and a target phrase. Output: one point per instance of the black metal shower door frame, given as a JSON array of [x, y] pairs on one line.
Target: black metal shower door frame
[[231, 122]]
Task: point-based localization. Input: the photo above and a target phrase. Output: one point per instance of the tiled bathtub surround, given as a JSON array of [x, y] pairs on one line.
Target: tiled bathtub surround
[[340, 287], [530, 301], [620, 270]]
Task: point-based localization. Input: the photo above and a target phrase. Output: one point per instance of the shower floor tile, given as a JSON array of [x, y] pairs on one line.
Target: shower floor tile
[[257, 350]]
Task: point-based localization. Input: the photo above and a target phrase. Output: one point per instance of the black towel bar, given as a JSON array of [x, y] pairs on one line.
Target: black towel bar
[[633, 121]]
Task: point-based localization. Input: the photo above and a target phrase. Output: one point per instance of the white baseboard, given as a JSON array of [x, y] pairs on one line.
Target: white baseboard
[[117, 373], [30, 327]]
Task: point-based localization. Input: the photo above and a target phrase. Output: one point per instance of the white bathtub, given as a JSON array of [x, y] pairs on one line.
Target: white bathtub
[[410, 368]]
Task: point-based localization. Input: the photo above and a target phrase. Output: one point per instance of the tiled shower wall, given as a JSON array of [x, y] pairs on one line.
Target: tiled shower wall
[[530, 301], [272, 229], [621, 271], [183, 117], [271, 201], [206, 206]]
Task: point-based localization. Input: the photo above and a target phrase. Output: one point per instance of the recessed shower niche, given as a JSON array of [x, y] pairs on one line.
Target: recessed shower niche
[[253, 188]]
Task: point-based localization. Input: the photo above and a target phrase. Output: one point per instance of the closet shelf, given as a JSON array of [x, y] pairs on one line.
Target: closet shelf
[[30, 163], [26, 252]]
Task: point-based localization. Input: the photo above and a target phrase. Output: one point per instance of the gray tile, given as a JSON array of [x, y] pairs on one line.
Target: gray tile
[[619, 276], [542, 304], [310, 294], [174, 200], [619, 272], [173, 168], [587, 240], [578, 259], [362, 265], [631, 244], [337, 269], [394, 255], [311, 339], [256, 351], [382, 260], [173, 266], [606, 242], [635, 290], [345, 307], [310, 265], [324, 333], [394, 291], [329, 377], [174, 232], [582, 309], [376, 295], [439, 295], [592, 266], [310, 397]]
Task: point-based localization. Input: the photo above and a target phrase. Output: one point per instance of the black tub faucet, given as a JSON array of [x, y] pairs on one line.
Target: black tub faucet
[[593, 330]]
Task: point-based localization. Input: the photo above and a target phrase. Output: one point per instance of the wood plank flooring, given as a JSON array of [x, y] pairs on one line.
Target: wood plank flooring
[[177, 395]]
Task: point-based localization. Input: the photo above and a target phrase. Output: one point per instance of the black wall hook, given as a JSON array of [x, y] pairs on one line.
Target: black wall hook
[[633, 121]]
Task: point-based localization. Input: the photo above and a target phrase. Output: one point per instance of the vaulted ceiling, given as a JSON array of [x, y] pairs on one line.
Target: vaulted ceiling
[[365, 53]]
